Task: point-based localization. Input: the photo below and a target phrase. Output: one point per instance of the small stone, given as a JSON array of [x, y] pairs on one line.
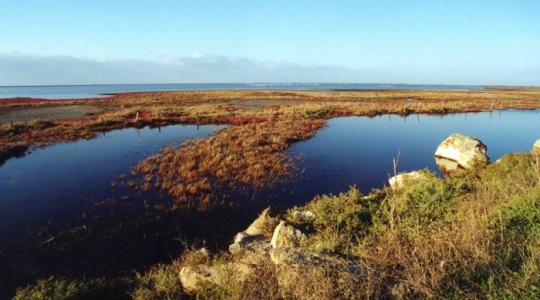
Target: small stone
[[256, 236], [193, 278], [243, 242], [406, 179], [303, 216], [263, 225], [286, 236]]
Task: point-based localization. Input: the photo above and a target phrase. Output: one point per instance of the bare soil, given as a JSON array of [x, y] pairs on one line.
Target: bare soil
[[51, 113]]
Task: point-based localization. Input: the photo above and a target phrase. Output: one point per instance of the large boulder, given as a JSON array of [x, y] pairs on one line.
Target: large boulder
[[536, 147], [405, 179], [466, 151], [286, 236]]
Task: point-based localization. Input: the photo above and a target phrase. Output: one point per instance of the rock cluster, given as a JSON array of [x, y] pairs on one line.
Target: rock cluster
[[264, 241], [255, 236]]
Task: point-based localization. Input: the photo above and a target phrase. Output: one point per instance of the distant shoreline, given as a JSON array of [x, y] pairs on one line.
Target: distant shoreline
[[56, 92]]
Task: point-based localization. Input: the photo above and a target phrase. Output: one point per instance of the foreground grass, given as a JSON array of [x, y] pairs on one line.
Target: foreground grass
[[472, 236]]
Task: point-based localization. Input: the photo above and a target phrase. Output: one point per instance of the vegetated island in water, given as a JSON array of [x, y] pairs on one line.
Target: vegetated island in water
[[470, 235]]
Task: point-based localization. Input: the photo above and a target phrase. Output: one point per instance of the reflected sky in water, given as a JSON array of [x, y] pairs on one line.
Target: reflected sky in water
[[360, 150], [53, 182]]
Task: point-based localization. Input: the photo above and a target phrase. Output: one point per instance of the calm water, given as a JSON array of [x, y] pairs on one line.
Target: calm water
[[53, 193], [87, 91], [360, 150]]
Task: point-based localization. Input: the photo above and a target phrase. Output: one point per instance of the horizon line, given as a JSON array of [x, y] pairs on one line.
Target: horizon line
[[269, 83]]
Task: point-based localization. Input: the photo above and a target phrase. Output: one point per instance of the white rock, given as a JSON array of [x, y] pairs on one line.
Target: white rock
[[245, 242], [193, 277], [536, 146], [286, 236], [263, 225], [404, 179], [255, 237], [449, 167], [287, 256], [465, 150], [303, 216]]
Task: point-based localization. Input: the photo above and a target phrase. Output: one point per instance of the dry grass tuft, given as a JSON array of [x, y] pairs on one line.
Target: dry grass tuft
[[248, 155]]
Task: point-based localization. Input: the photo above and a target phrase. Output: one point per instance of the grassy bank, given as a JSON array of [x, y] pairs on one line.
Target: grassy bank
[[471, 236]]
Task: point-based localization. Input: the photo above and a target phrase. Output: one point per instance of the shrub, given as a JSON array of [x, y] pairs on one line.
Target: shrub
[[341, 221], [428, 202]]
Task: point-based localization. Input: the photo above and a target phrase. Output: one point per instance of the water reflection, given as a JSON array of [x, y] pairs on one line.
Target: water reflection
[[360, 150], [58, 181]]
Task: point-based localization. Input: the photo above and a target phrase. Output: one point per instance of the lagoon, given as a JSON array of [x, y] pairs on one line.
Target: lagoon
[[63, 210]]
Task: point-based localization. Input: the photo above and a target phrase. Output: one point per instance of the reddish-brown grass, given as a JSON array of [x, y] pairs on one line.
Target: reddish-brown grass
[[248, 155], [244, 107]]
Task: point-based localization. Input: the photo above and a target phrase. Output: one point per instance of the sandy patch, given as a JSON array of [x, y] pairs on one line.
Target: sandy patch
[[48, 113]]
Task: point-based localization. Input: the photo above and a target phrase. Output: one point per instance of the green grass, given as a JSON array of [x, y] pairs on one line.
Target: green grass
[[428, 203], [341, 221]]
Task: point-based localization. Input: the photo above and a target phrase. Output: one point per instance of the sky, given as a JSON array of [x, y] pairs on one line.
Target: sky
[[380, 41]]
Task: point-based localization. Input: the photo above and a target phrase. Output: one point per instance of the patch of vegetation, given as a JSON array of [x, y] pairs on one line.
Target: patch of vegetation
[[427, 203], [340, 221], [160, 282], [319, 113], [250, 155], [71, 289]]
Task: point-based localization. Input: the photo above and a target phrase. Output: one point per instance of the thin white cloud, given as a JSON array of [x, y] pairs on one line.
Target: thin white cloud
[[35, 70], [16, 69]]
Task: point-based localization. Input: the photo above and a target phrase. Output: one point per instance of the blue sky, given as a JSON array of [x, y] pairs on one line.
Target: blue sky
[[453, 42]]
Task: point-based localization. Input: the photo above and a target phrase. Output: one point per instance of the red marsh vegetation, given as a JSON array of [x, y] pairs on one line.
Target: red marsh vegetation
[[250, 155]]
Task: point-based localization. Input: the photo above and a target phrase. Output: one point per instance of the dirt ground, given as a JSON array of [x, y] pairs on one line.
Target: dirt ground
[[262, 103], [48, 113]]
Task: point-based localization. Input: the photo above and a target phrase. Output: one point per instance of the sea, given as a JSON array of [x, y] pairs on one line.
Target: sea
[[103, 90]]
